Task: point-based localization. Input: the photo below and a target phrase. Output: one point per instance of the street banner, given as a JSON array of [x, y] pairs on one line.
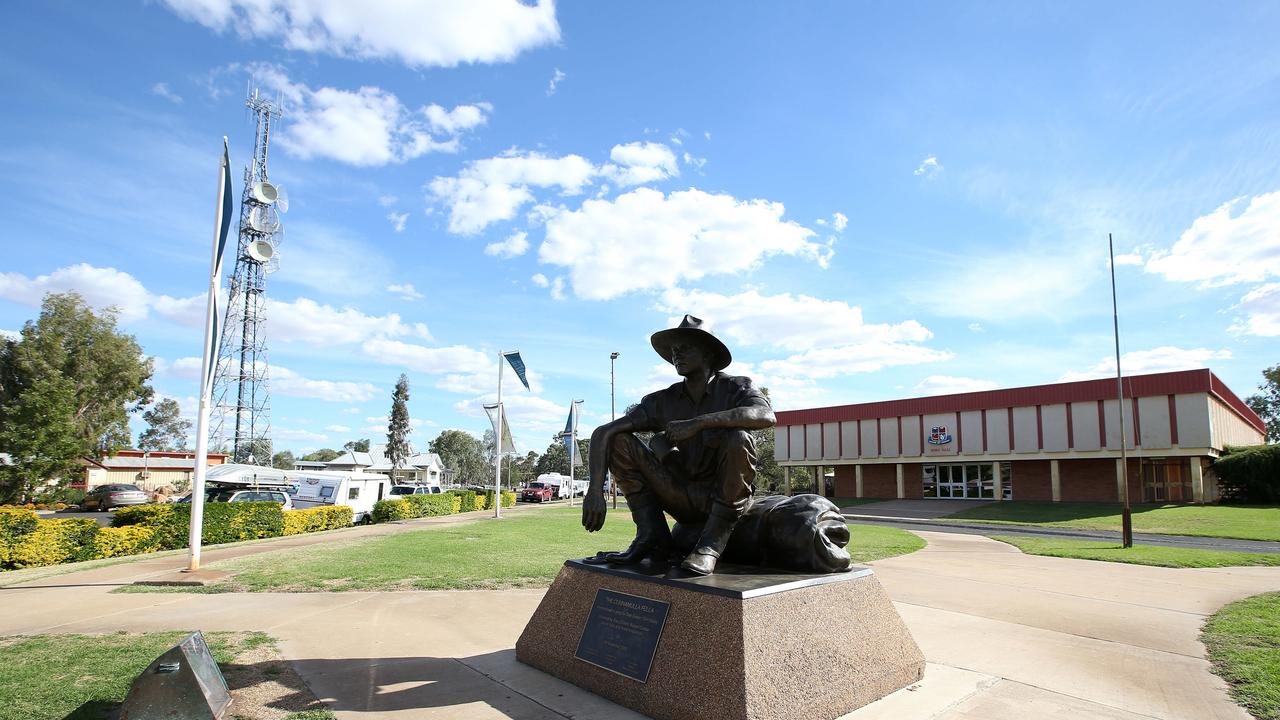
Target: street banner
[[517, 364], [570, 434], [508, 445]]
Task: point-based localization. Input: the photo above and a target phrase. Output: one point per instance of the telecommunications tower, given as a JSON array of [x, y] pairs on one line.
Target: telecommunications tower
[[241, 422]]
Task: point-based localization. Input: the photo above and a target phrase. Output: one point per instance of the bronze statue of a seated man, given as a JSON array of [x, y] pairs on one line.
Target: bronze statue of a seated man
[[700, 468]]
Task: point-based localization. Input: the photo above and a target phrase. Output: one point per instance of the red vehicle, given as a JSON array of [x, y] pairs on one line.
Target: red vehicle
[[538, 492]]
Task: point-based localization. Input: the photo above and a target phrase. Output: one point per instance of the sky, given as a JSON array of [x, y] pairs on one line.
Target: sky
[[864, 201]]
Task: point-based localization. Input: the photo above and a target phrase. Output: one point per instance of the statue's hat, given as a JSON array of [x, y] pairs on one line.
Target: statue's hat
[[690, 331]]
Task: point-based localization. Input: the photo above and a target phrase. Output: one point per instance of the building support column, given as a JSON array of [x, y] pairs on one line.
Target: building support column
[[999, 481], [1055, 481], [786, 478], [902, 483], [1121, 479], [818, 484], [857, 480], [1197, 480]]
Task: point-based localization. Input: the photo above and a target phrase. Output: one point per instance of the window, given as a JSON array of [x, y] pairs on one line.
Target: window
[[353, 493], [326, 492], [972, 481]]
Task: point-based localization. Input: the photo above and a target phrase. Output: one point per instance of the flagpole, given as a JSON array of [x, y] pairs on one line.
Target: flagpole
[[497, 446], [206, 362], [1126, 517]]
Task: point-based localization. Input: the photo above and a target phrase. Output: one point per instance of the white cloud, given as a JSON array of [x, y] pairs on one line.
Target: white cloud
[[929, 168], [646, 240], [641, 162], [494, 189], [309, 322], [839, 221], [1261, 308], [418, 34], [696, 163], [341, 429], [516, 244], [1009, 285], [530, 416], [750, 318], [947, 385], [431, 360], [387, 200], [406, 291], [287, 382], [162, 90], [279, 433], [364, 127], [1140, 362], [186, 368], [398, 220], [540, 280], [1134, 258], [555, 80], [10, 334], [100, 287], [1236, 243], [976, 327], [557, 289]]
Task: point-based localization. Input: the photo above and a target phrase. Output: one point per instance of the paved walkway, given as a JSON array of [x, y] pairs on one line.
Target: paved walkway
[[1008, 637]]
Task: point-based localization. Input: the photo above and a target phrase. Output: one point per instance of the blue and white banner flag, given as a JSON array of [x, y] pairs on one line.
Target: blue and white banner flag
[[226, 203], [571, 430], [517, 364]]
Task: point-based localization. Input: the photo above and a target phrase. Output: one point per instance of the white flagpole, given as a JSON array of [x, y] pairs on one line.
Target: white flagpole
[[207, 359], [497, 446], [573, 447]]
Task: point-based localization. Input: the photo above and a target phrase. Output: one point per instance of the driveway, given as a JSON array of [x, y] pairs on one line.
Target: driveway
[[1007, 636]]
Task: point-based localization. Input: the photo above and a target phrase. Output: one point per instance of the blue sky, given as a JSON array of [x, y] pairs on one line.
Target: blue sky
[[864, 202]]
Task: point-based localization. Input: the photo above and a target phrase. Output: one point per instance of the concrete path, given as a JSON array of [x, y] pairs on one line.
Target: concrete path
[[1008, 637]]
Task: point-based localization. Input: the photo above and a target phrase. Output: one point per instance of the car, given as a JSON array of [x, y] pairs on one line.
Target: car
[[105, 497], [228, 494], [538, 492]]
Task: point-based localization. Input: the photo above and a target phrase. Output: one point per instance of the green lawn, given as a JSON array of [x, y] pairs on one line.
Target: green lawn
[[1243, 639], [1158, 555], [84, 677], [1247, 522], [518, 551]]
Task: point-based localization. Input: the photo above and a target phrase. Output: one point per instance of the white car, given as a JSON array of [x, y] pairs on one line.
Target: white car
[[222, 494], [416, 490]]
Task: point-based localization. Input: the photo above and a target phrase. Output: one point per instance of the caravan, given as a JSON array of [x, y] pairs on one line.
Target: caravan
[[561, 485], [357, 490]]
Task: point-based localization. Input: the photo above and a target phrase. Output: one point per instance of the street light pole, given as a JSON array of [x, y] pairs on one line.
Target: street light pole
[[1126, 517], [613, 415]]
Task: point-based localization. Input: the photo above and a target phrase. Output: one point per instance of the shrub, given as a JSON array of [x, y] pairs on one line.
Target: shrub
[[431, 505], [1249, 474], [329, 517], [388, 510], [508, 499], [467, 500], [14, 524], [457, 502], [55, 541], [120, 541], [223, 522]]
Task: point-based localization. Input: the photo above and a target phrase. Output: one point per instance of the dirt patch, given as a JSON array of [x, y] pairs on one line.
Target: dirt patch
[[264, 686]]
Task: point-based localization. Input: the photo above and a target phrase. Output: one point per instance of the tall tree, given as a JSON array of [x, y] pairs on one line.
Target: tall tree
[[68, 384], [768, 473], [282, 460], [398, 426], [321, 455], [357, 445], [463, 453], [166, 428], [1267, 402]]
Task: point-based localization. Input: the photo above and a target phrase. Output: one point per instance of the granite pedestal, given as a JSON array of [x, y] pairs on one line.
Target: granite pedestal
[[737, 644]]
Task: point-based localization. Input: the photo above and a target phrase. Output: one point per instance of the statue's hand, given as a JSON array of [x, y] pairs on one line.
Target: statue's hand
[[679, 430], [594, 510]]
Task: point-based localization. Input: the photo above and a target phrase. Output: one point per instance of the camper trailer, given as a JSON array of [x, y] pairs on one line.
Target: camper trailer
[[561, 484], [357, 490]]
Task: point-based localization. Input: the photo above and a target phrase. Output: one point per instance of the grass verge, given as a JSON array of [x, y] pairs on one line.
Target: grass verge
[[84, 677], [1158, 555], [1245, 522], [518, 551], [1243, 639]]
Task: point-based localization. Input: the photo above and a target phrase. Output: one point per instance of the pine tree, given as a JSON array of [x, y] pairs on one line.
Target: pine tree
[[398, 427]]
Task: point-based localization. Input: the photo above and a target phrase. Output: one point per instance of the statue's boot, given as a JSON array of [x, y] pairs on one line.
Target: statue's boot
[[652, 544], [711, 543]]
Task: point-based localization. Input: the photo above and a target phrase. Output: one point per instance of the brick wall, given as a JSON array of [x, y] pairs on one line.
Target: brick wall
[[1031, 480], [846, 481], [879, 481], [1094, 480]]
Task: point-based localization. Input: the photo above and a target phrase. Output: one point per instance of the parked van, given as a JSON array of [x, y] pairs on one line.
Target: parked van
[[407, 489], [357, 490]]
